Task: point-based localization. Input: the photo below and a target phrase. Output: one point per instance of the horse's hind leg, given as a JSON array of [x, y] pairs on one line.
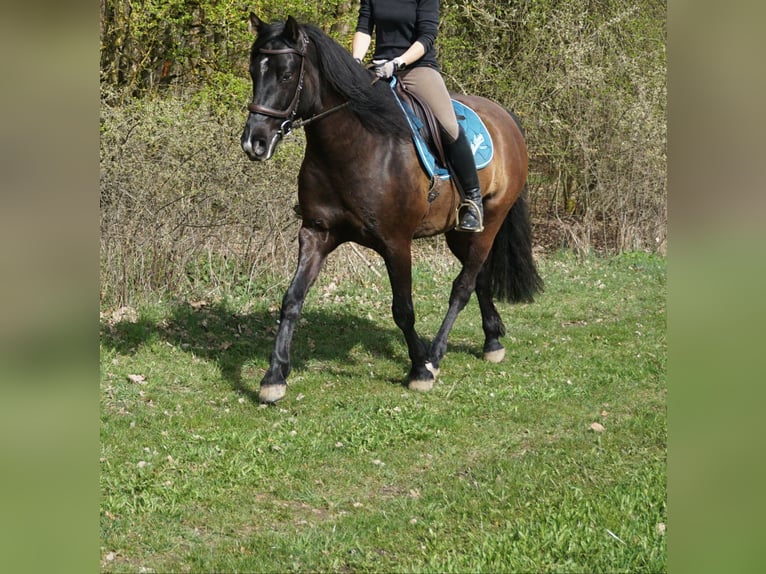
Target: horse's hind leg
[[315, 246], [399, 266], [462, 287], [491, 322], [471, 252]]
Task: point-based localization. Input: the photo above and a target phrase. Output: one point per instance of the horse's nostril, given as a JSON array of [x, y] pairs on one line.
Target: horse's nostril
[[259, 146], [254, 147]]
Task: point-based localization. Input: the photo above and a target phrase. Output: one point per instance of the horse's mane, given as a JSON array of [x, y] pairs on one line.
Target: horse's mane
[[373, 104]]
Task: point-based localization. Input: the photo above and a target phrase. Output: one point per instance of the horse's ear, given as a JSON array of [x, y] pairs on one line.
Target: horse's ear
[[256, 24], [292, 30]]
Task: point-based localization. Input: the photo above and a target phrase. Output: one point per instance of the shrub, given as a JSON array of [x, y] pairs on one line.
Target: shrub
[[182, 209]]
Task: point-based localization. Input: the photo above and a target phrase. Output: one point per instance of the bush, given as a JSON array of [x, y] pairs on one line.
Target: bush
[[159, 44], [182, 209], [590, 86]]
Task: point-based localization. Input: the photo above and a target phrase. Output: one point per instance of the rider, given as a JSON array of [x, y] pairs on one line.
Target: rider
[[405, 31]]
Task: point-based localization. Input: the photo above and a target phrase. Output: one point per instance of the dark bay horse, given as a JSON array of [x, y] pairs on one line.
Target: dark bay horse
[[361, 181]]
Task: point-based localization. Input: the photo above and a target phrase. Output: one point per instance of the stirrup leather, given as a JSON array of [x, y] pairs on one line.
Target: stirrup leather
[[467, 204]]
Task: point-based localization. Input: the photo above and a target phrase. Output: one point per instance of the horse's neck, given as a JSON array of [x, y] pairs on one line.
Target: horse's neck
[[341, 140]]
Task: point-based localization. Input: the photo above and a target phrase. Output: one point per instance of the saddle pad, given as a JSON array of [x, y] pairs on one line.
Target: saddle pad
[[475, 131]]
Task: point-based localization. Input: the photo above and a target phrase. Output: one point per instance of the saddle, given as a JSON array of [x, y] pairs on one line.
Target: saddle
[[422, 118], [427, 135]]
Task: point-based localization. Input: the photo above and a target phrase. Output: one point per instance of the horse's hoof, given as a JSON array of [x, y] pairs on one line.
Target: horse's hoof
[[272, 393], [423, 385], [495, 356]]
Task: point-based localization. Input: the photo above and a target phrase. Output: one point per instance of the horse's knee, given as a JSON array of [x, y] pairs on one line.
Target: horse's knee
[[291, 309]]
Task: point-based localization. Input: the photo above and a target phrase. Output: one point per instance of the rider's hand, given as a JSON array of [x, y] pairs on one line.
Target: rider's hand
[[386, 69]]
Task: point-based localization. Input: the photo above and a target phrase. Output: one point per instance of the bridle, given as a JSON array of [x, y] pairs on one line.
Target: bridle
[[292, 109]]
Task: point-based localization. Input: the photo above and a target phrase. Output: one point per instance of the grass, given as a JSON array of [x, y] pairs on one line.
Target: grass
[[497, 469]]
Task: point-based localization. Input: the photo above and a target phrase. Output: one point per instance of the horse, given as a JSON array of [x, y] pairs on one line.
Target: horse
[[362, 181]]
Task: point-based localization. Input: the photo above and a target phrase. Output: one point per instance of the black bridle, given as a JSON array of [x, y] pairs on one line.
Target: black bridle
[[292, 109]]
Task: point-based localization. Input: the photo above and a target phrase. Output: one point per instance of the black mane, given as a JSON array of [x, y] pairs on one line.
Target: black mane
[[373, 104]]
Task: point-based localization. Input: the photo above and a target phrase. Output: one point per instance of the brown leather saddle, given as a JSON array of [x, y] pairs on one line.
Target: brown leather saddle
[[426, 123]]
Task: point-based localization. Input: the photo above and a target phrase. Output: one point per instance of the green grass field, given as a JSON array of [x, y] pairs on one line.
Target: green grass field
[[497, 469]]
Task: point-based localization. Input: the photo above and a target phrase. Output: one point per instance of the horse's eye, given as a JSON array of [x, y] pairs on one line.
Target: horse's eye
[[286, 77]]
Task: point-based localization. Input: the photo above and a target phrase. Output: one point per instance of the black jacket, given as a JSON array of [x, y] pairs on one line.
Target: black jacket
[[397, 24]]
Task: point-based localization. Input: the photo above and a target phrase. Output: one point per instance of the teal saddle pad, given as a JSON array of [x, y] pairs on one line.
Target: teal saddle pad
[[475, 131]]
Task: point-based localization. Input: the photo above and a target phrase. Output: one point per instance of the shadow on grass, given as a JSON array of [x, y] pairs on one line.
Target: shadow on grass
[[237, 342]]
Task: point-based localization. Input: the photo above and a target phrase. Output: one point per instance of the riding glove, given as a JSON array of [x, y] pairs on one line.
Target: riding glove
[[386, 69]]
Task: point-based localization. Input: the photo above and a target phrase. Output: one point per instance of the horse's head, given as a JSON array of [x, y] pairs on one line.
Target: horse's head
[[277, 68]]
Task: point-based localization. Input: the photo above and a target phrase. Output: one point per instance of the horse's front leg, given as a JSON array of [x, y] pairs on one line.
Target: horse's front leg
[[314, 247], [399, 266]]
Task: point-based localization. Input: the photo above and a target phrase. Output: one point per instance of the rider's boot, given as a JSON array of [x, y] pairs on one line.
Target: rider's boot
[[471, 211]]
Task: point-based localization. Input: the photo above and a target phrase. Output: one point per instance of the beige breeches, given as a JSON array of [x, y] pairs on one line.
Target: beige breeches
[[428, 84]]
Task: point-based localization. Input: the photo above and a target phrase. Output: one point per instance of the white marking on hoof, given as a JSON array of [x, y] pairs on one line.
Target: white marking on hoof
[[422, 385], [434, 371], [272, 393], [495, 356]]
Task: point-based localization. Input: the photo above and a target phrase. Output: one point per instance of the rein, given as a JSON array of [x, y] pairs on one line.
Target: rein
[[300, 123]]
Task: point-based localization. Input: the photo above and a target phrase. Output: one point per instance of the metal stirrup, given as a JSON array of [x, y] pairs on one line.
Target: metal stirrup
[[467, 203]]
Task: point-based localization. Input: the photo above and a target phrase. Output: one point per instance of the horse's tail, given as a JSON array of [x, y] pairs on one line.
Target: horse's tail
[[512, 267]]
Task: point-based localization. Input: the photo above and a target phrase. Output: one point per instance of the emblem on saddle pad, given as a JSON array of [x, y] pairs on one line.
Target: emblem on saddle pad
[[475, 131], [476, 144]]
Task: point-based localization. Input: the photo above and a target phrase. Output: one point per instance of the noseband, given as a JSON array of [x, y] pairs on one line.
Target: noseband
[[292, 108]]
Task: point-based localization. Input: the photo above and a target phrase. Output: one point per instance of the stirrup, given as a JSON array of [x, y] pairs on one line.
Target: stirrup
[[467, 204]]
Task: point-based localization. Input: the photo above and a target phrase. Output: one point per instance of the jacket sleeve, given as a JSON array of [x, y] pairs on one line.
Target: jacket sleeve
[[364, 22], [427, 22]]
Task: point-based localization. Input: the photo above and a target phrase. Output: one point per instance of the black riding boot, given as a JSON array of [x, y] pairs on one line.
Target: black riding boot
[[470, 211]]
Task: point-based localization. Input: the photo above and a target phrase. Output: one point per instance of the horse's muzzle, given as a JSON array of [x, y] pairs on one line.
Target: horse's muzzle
[[259, 145]]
